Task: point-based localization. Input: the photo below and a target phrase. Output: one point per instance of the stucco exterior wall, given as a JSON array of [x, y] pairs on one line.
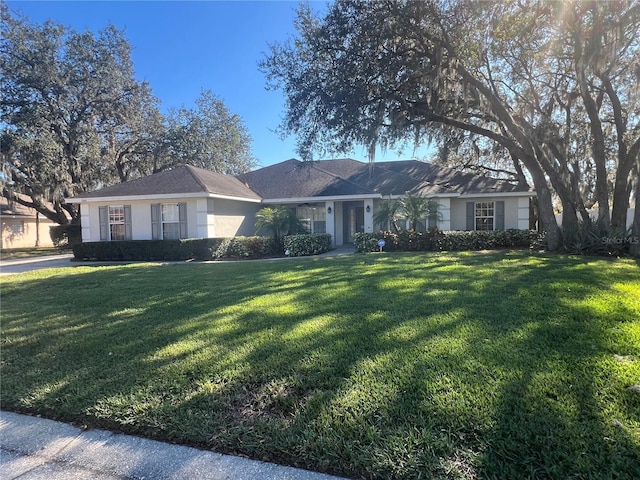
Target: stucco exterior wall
[[206, 218], [338, 217], [219, 218], [32, 232], [140, 219], [233, 218]]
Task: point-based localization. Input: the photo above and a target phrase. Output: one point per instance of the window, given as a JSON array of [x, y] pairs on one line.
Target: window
[[170, 221], [116, 223], [314, 218], [16, 227], [484, 215], [319, 226]]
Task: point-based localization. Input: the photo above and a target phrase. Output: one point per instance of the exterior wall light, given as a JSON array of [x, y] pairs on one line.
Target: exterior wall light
[[368, 208], [329, 210]]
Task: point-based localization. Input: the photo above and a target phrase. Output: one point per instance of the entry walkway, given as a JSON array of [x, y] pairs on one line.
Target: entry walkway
[[33, 448]]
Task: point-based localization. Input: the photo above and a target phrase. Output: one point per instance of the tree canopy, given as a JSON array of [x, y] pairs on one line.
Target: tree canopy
[[209, 136], [548, 87], [74, 118]]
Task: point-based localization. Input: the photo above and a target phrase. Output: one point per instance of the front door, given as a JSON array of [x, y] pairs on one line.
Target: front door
[[353, 220]]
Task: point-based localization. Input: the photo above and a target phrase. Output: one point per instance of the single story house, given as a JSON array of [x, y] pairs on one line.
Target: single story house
[[23, 227], [338, 197]]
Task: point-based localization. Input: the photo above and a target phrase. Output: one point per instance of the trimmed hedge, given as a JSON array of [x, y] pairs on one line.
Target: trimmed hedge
[[307, 244], [196, 248], [201, 248], [436, 240], [246, 247]]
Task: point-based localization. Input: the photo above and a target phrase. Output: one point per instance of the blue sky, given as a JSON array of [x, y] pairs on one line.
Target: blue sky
[[182, 48]]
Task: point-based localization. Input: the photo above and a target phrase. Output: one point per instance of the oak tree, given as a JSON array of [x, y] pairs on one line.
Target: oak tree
[[550, 87]]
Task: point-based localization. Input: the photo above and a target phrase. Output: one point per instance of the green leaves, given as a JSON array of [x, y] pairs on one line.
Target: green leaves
[[75, 119], [307, 244], [540, 92], [279, 221], [209, 137], [67, 99]]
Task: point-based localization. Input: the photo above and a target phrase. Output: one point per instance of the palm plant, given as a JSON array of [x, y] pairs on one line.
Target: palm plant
[[416, 207], [387, 214], [279, 221]]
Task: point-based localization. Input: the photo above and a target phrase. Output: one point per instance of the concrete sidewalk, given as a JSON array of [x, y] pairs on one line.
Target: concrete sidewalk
[[36, 448]]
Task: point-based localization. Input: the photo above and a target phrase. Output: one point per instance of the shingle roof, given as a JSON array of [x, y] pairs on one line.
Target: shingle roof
[[15, 209], [180, 180], [325, 178], [296, 179], [11, 208], [430, 177]]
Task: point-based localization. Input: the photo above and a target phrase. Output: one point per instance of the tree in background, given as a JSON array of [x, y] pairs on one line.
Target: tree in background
[[548, 87], [61, 90], [209, 137], [75, 119]]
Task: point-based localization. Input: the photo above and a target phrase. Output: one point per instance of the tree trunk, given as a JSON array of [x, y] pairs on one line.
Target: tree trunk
[[547, 217], [634, 248], [621, 190], [569, 214], [620, 201], [56, 215], [598, 145]]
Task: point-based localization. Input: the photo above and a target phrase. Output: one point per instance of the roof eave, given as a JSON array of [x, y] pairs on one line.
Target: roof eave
[[426, 195], [162, 196], [498, 194], [319, 198]]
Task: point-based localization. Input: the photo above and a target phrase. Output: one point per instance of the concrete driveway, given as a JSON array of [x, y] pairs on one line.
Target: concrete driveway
[[8, 267]]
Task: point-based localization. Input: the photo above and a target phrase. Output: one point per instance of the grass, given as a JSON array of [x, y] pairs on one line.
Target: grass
[[29, 252], [467, 365]]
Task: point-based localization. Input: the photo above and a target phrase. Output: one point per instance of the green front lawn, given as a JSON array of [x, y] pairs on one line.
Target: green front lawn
[[442, 365]]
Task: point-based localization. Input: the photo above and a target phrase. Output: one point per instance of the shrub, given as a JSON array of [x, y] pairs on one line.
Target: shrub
[[366, 242], [259, 247], [435, 239], [245, 247], [484, 240], [69, 234], [307, 244], [592, 239], [197, 249]]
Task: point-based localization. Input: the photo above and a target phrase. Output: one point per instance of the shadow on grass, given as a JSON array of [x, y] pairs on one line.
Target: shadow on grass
[[397, 366]]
